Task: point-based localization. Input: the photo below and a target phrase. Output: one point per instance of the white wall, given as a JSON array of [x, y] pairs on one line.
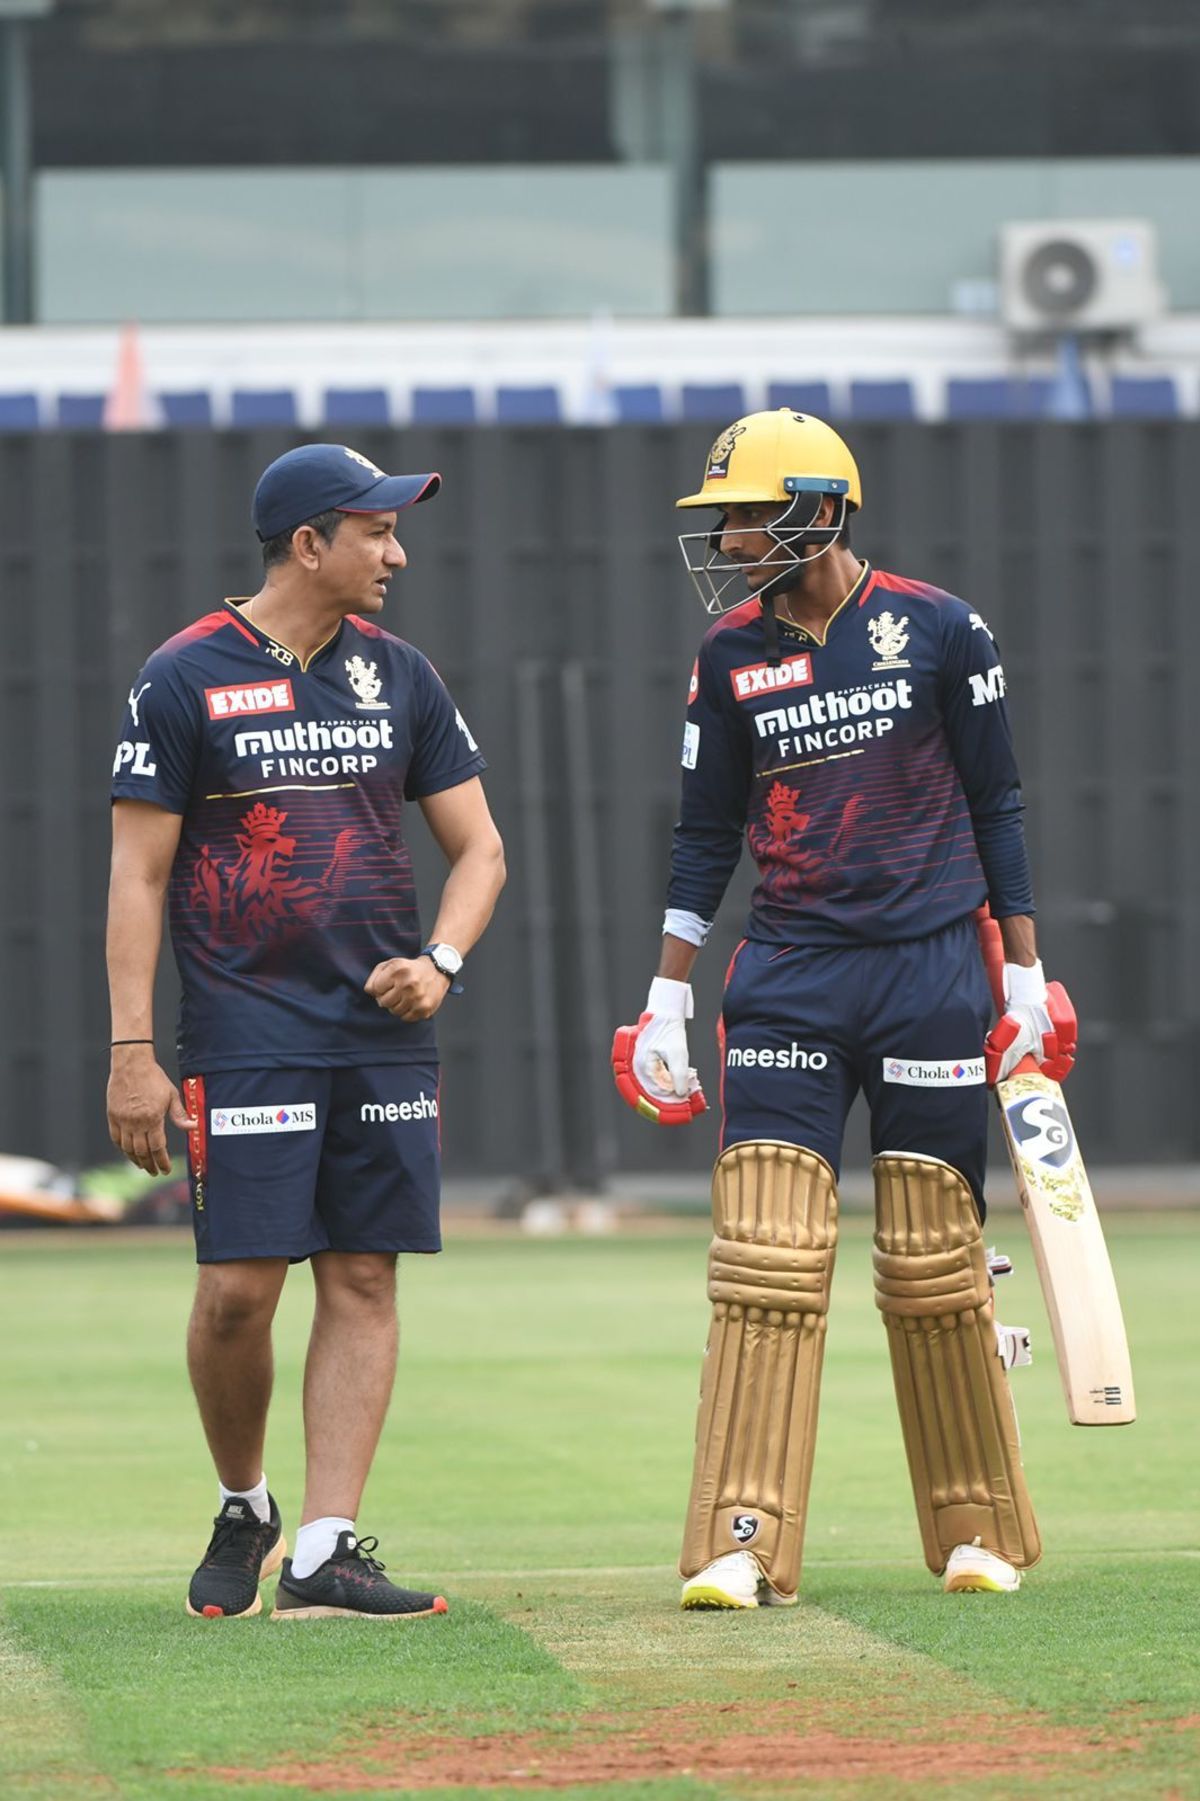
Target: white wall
[[582, 358]]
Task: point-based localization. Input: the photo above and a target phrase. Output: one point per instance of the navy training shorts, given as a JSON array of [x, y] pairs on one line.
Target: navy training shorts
[[289, 1162], [804, 1027]]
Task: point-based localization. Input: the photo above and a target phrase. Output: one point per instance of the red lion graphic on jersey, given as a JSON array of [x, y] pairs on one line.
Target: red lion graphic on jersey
[[255, 896], [786, 866]]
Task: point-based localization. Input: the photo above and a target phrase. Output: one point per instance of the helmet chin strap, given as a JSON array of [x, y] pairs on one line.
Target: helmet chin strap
[[792, 576]]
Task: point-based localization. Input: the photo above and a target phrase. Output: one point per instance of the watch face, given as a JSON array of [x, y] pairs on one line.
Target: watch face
[[446, 958]]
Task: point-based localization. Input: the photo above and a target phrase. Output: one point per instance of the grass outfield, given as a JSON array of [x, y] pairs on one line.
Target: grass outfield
[[535, 1468]]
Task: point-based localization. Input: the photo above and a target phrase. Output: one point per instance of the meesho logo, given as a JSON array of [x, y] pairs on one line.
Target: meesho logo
[[377, 1112], [288, 1116]]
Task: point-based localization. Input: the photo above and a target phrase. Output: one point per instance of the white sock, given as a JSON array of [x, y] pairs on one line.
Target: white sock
[[257, 1497], [316, 1542]]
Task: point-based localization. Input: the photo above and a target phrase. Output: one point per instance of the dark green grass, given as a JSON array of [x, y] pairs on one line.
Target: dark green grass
[[535, 1467]]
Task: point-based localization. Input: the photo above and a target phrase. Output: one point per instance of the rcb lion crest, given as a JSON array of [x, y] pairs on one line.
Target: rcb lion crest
[[722, 450], [366, 685], [889, 637]]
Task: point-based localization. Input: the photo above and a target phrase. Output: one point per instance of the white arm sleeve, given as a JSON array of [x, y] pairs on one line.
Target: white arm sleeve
[[688, 926]]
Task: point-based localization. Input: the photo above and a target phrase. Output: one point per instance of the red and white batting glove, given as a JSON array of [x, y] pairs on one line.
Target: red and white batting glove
[[650, 1060], [1038, 1021]]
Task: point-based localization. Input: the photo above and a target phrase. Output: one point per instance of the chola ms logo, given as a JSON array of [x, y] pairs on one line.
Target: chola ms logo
[[288, 1116], [946, 1072]]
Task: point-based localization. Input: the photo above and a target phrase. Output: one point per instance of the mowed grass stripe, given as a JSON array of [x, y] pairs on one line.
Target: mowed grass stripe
[[161, 1691], [634, 1645], [43, 1747]]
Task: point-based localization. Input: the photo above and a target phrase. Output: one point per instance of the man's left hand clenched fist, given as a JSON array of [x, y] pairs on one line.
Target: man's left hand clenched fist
[[409, 987], [1038, 1021]]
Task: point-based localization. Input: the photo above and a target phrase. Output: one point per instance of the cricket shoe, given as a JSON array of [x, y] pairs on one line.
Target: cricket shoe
[[241, 1552], [972, 1570], [735, 1580], [350, 1585]]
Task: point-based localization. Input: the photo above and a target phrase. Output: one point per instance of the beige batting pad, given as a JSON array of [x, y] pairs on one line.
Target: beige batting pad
[[769, 1271], [960, 1429]]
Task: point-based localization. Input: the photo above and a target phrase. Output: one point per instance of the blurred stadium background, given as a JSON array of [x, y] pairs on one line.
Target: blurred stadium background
[[545, 246]]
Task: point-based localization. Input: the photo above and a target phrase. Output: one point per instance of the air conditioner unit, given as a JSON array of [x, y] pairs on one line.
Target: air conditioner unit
[[1079, 275]]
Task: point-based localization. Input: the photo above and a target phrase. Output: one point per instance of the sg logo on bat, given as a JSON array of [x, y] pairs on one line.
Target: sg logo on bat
[[1042, 1129]]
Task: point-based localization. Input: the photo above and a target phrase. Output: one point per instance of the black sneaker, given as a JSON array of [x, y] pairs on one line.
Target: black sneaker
[[241, 1552], [352, 1584]]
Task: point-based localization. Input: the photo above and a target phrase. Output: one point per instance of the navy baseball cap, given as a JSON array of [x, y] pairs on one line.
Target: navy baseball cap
[[325, 478]]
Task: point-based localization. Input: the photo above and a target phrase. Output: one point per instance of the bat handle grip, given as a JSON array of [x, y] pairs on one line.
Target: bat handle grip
[[992, 946]]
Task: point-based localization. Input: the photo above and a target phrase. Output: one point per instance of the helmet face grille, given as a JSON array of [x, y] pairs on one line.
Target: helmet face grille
[[721, 583]]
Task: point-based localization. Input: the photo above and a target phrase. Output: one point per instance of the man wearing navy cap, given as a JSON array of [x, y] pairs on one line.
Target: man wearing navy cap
[[265, 758]]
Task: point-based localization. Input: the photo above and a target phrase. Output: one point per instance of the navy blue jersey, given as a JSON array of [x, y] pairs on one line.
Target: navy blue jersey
[[871, 771], [292, 879]]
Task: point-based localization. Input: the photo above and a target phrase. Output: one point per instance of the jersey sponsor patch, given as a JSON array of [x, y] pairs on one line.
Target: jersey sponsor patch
[[694, 684], [259, 697], [987, 687], [134, 759], [691, 745], [766, 678], [379, 1112], [946, 1072], [288, 1116]]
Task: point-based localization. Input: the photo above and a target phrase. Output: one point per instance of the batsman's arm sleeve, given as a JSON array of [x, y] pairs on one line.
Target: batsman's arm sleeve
[[980, 737], [717, 774]]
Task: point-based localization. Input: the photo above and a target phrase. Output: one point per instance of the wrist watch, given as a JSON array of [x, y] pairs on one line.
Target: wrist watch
[[447, 961]]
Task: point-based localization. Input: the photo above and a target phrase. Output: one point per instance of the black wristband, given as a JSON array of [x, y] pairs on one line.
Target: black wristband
[[114, 1042]]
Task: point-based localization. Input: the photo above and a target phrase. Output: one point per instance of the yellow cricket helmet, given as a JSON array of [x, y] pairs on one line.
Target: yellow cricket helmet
[[775, 456], [782, 458]]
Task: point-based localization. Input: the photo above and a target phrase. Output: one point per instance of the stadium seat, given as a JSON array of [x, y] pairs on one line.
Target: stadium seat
[[641, 404], [264, 406], [527, 406], [716, 402], [1144, 397], [801, 396], [882, 400], [357, 406], [443, 406], [187, 407], [80, 412], [998, 397], [19, 412]]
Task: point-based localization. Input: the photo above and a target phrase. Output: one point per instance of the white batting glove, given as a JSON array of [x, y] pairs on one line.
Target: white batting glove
[[1025, 1017], [660, 1058]]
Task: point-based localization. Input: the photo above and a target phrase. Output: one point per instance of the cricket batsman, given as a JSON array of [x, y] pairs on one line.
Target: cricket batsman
[[852, 724]]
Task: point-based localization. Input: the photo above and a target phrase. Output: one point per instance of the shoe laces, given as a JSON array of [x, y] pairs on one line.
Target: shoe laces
[[362, 1553], [232, 1536]]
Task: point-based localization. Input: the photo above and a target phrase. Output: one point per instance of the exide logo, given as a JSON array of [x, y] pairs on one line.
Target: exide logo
[[267, 697], [761, 678]]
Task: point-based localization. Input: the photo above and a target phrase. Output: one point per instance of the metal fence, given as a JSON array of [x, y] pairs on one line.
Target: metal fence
[[545, 584]]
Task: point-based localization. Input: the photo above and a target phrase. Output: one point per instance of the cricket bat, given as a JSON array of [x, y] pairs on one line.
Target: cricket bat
[[1068, 1242]]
